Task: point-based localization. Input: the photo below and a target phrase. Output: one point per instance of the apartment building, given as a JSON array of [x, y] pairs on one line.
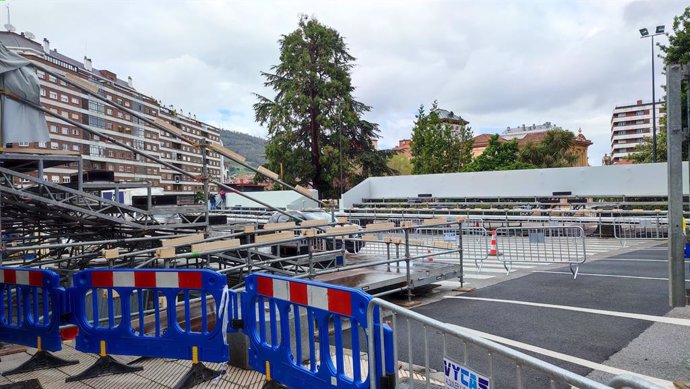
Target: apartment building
[[69, 102], [630, 125]]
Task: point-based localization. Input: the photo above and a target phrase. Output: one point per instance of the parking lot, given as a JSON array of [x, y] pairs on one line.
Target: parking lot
[[613, 318]]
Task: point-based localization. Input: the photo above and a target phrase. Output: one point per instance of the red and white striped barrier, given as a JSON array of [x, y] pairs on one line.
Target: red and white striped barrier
[[146, 279], [332, 300], [21, 277]]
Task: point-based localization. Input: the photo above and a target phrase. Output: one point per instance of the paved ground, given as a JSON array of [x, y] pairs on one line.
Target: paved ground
[[553, 322], [630, 280]]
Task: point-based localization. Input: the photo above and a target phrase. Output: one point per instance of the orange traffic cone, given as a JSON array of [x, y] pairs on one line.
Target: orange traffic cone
[[494, 251]]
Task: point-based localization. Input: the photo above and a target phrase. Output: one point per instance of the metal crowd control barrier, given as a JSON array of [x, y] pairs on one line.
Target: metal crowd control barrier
[[32, 305], [455, 357], [640, 228], [168, 336], [276, 311], [550, 244]]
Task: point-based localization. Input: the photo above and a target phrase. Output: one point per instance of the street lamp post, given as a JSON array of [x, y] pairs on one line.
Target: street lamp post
[[645, 34]]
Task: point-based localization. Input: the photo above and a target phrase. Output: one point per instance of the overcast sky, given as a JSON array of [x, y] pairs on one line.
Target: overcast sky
[[496, 63]]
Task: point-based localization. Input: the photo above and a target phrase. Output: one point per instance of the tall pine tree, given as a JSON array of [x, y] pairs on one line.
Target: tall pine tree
[[313, 116]]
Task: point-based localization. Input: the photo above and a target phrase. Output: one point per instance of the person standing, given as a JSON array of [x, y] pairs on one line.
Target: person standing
[[211, 201]]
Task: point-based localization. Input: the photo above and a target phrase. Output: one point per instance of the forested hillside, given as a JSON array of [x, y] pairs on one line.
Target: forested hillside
[[250, 146]]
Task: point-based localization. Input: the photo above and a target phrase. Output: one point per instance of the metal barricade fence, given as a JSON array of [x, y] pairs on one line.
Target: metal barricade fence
[[288, 323], [541, 245], [475, 244], [640, 228], [32, 305], [198, 333], [433, 354]]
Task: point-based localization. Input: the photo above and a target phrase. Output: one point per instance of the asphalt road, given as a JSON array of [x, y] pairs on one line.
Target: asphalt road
[[590, 336]]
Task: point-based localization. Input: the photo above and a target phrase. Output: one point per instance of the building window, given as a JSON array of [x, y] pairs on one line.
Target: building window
[[42, 145], [109, 111], [54, 145], [75, 131], [53, 95], [66, 180], [52, 78], [65, 131], [40, 73], [96, 106], [75, 147], [64, 98], [43, 92], [23, 144], [75, 116], [53, 128], [55, 179], [65, 147], [75, 100]]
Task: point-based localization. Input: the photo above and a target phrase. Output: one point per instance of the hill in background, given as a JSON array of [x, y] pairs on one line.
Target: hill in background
[[250, 146]]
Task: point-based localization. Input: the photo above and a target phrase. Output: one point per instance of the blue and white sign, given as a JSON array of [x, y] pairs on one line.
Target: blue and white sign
[[460, 377], [450, 236]]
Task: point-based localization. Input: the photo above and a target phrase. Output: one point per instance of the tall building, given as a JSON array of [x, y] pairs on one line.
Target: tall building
[[520, 132], [630, 125], [69, 102]]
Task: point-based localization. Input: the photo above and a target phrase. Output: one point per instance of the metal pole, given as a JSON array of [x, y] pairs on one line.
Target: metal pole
[[674, 142], [340, 157], [653, 105], [204, 173], [407, 262]]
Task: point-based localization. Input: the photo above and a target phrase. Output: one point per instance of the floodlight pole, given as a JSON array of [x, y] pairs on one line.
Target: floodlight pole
[[645, 34], [653, 103]]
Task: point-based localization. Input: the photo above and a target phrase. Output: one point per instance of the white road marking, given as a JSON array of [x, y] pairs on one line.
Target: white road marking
[[604, 275], [627, 315], [561, 356]]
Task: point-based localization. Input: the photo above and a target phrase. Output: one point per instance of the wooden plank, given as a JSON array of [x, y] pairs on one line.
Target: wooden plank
[[227, 152], [165, 252], [342, 229], [444, 245], [285, 235], [304, 191], [406, 224], [249, 229], [82, 83], [279, 226], [310, 223], [111, 253], [182, 240], [267, 173], [215, 246], [438, 220], [380, 226], [341, 219], [370, 238], [310, 232], [460, 219], [167, 126]]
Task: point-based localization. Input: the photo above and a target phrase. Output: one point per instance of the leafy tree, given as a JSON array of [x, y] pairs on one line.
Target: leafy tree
[[554, 150], [436, 148], [498, 156], [314, 112], [677, 51], [400, 164]]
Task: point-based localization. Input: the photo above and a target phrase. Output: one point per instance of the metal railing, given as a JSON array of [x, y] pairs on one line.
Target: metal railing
[[553, 244], [433, 361], [640, 228]]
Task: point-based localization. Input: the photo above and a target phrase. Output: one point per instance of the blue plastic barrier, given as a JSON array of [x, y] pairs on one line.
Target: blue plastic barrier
[[167, 339], [274, 311], [31, 306]]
